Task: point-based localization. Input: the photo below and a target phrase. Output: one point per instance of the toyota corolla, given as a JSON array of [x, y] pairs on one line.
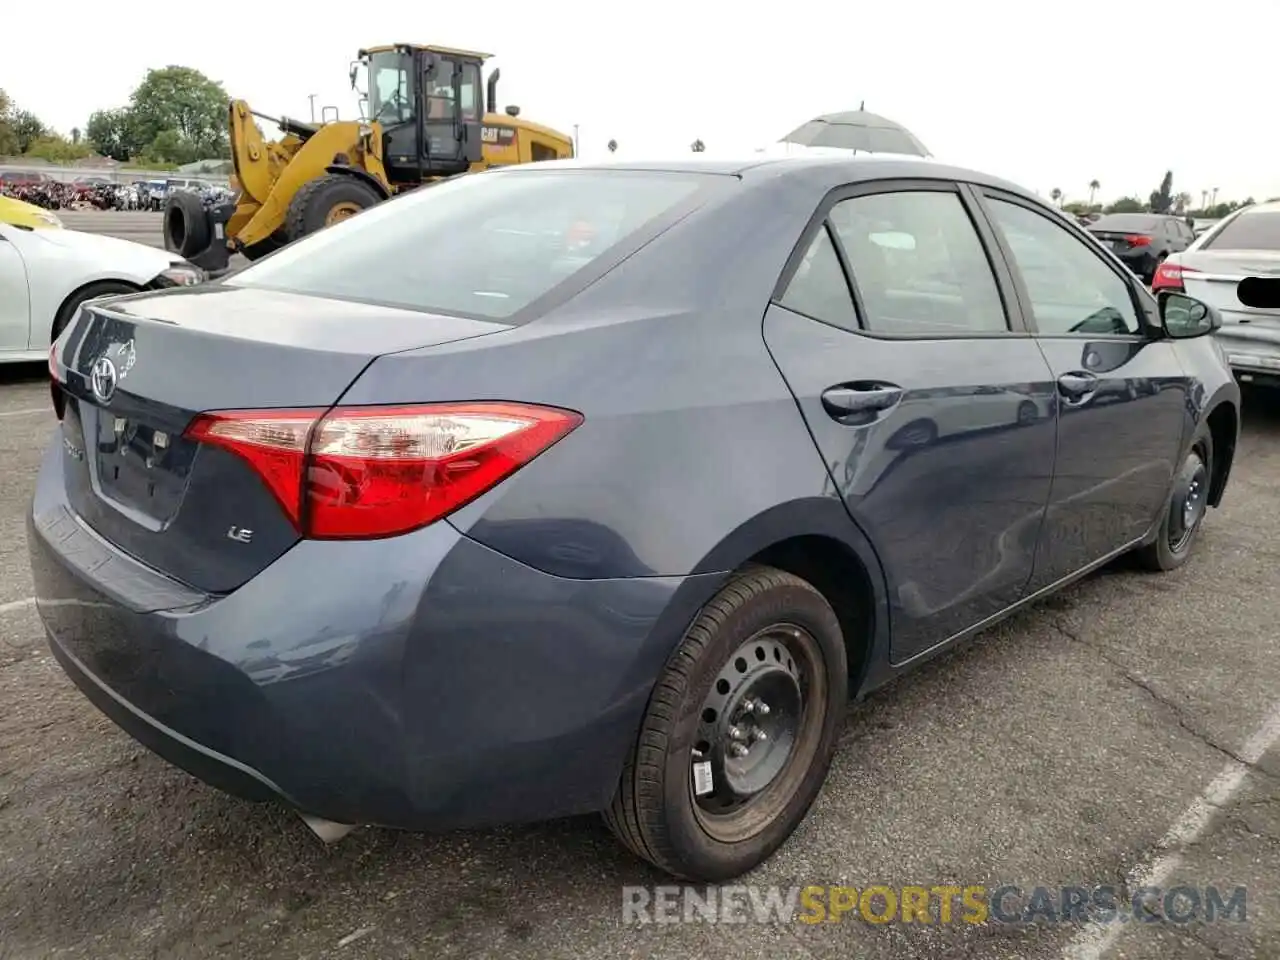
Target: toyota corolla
[[576, 488]]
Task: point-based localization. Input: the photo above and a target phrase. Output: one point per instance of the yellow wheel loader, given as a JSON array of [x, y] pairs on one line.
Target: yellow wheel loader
[[428, 117]]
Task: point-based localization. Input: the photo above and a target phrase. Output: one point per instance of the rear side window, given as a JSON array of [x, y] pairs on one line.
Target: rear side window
[[818, 288], [483, 245], [1249, 231], [918, 264]]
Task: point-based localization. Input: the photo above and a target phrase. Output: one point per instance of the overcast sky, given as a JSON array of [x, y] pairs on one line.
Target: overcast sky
[[1048, 94]]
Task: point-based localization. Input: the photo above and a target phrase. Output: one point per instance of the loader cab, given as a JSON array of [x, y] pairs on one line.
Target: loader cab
[[430, 104]]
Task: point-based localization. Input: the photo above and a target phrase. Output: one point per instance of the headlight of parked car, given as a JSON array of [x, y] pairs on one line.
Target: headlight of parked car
[[180, 274]]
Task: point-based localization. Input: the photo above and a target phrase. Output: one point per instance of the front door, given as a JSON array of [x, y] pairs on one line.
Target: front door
[[931, 408], [15, 300], [1122, 400], [452, 104]]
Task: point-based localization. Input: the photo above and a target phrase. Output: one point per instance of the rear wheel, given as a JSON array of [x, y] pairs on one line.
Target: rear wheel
[[739, 733], [326, 201], [1184, 512]]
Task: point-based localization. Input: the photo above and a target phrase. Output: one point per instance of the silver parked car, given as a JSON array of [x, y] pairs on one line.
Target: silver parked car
[[1244, 244]]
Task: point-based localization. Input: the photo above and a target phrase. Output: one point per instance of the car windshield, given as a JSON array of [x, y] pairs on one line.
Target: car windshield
[[1259, 230], [1127, 222], [483, 245]]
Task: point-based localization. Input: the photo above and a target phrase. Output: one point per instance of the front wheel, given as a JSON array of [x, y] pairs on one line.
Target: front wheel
[[1185, 509], [739, 732]]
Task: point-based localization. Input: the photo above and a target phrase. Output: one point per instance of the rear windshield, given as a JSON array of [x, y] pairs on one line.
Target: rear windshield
[[1126, 221], [1249, 231], [485, 245]]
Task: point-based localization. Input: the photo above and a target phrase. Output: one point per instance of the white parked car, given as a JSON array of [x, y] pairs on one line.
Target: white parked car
[[46, 274], [1244, 244]]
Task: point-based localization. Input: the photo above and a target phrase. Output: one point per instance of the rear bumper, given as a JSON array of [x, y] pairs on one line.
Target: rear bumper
[[421, 682], [1252, 351]]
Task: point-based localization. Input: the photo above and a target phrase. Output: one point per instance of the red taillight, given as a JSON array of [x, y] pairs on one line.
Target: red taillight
[[361, 472], [1168, 276], [1138, 240]]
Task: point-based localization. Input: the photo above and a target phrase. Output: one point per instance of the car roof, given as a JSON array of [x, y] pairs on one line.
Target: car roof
[[813, 169]]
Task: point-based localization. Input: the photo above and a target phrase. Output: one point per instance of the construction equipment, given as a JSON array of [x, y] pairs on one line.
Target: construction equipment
[[425, 116]]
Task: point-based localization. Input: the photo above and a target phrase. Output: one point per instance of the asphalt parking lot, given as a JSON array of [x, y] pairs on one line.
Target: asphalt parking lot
[[1126, 731]]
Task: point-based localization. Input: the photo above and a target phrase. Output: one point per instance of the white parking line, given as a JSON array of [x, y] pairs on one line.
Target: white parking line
[[1092, 943], [16, 605], [29, 412]]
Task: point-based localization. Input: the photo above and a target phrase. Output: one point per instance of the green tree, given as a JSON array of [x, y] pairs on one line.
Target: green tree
[[1056, 195], [170, 147], [183, 100], [1126, 205], [110, 133], [28, 128], [1162, 199], [8, 136], [57, 149]]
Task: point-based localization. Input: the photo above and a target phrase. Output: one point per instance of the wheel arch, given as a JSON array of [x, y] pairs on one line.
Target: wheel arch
[[1223, 420], [359, 174], [62, 315], [816, 539]]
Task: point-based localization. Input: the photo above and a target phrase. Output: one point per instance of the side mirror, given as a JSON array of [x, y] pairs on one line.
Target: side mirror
[[1184, 317]]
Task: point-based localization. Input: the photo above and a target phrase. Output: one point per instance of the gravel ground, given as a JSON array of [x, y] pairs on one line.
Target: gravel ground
[[1061, 748]]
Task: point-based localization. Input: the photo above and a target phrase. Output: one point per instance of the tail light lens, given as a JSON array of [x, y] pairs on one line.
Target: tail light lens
[[55, 382], [1138, 240], [1168, 276], [362, 472]]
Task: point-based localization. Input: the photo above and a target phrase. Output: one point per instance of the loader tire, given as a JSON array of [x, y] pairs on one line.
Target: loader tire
[[325, 201], [186, 225]]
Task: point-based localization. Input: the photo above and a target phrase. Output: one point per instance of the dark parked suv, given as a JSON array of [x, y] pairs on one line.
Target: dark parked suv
[[566, 488], [1142, 241]]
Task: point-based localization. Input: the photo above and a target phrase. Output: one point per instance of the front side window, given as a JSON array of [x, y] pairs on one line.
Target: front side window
[[484, 245], [390, 89], [918, 264], [1072, 291]]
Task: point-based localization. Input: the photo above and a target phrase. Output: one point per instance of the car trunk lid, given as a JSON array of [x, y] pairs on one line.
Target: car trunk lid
[[1212, 276], [136, 371]]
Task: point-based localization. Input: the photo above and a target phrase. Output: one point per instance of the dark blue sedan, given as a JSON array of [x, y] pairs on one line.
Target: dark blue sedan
[[572, 488]]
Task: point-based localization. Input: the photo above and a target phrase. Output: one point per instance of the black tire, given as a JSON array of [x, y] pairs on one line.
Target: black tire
[[186, 225], [654, 812], [310, 208], [1027, 412], [1174, 541], [104, 288]]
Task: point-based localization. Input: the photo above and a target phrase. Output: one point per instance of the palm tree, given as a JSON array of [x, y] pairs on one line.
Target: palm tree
[[1056, 195], [698, 146], [1204, 199], [613, 146], [1094, 187], [1215, 196], [75, 134], [1181, 202]]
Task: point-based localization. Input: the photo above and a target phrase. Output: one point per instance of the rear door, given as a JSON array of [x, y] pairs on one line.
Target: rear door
[[925, 396], [1121, 394]]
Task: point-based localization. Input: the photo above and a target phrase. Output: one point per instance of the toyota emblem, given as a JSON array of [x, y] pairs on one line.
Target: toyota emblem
[[103, 379]]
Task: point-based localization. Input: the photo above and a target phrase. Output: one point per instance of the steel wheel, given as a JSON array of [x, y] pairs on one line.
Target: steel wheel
[[1188, 503], [759, 723]]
